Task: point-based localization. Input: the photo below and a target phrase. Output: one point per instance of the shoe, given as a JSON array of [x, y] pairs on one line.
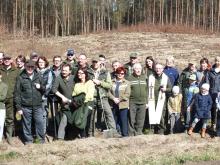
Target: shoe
[[190, 131], [203, 132]]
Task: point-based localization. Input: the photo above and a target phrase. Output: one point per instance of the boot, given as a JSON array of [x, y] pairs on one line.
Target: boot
[[190, 131], [203, 132]]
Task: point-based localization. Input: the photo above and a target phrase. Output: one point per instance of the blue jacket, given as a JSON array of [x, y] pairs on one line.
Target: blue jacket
[[203, 105], [213, 79], [173, 74]]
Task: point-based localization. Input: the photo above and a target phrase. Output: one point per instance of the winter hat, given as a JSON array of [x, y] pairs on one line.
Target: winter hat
[[70, 52], [176, 90], [205, 86], [192, 77]]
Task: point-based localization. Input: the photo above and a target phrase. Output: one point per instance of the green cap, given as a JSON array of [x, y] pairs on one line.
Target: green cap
[[133, 55]]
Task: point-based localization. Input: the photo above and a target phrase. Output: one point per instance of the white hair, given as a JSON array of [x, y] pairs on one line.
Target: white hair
[[137, 65]]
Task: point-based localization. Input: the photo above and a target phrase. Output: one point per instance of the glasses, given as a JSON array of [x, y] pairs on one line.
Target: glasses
[[69, 54], [120, 73]]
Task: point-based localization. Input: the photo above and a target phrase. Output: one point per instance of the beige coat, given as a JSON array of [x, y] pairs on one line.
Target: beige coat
[[174, 104], [124, 93]]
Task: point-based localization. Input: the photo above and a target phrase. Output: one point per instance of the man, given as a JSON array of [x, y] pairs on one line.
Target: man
[[20, 61], [115, 65], [128, 66], [158, 85], [103, 83], [9, 74], [171, 71], [70, 58], [28, 102], [56, 68], [63, 88], [34, 56], [137, 101]]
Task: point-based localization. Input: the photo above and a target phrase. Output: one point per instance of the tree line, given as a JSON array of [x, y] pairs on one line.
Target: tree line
[[70, 17]]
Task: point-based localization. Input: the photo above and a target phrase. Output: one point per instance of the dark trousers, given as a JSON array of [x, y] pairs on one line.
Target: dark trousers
[[121, 119], [37, 115], [218, 124], [136, 118], [9, 119]]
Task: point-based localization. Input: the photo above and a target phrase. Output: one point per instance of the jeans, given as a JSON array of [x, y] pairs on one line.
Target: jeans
[[2, 121], [62, 127], [45, 114], [121, 119], [204, 122], [37, 115], [187, 119]]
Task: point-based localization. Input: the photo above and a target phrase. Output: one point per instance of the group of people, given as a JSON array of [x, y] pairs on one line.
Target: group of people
[[83, 99]]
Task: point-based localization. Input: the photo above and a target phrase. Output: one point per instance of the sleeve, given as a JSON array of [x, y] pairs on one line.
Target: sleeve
[[210, 103], [169, 105], [107, 83], [55, 85], [49, 81], [127, 92], [17, 94], [90, 91], [3, 92]]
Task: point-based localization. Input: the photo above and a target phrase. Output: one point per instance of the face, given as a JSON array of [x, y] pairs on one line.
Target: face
[[29, 70], [57, 62], [192, 68], [70, 57], [7, 61], [115, 66], [204, 91], [34, 58], [82, 60], [137, 70], [19, 63], [203, 66], [133, 60], [149, 63], [169, 62], [81, 75], [95, 64], [217, 61], [65, 71], [120, 75], [159, 69], [41, 64]]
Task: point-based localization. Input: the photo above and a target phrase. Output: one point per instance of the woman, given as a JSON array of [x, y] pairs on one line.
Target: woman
[[204, 68], [47, 77], [20, 61], [119, 95], [149, 66], [83, 86]]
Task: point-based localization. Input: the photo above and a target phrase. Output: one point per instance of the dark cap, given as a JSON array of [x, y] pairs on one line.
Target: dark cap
[[133, 55], [95, 59], [30, 63], [70, 52], [33, 54], [7, 56]]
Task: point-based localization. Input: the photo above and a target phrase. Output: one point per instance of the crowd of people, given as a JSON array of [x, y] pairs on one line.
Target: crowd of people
[[75, 99]]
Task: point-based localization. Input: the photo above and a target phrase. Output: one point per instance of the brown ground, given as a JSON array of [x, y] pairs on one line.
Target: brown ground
[[146, 149]]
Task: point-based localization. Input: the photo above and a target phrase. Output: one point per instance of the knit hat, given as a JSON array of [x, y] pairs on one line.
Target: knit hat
[[70, 52], [175, 90], [205, 86], [192, 77]]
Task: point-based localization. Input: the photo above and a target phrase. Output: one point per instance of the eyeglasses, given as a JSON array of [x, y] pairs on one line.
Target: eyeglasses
[[69, 54], [120, 73]]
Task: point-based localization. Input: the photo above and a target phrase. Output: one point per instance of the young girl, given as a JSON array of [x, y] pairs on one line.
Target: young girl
[[203, 104], [174, 107], [3, 93]]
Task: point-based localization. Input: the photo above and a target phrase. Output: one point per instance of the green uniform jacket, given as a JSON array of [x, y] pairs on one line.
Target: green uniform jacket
[[138, 89], [124, 93], [9, 78], [3, 94], [26, 94]]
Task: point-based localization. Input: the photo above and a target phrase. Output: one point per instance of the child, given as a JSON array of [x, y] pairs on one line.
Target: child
[[190, 92], [203, 104], [3, 93], [174, 108]]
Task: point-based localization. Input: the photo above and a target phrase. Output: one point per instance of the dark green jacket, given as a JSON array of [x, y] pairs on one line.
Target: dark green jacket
[[65, 87], [3, 94], [9, 78], [26, 94], [138, 89]]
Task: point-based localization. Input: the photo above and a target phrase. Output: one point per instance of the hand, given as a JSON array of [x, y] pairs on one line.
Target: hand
[[116, 100], [37, 85], [188, 108], [65, 100], [97, 82], [20, 112], [162, 89], [146, 106]]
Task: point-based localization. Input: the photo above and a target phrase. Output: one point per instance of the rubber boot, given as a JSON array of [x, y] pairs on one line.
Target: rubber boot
[[9, 132], [203, 132], [190, 131]]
